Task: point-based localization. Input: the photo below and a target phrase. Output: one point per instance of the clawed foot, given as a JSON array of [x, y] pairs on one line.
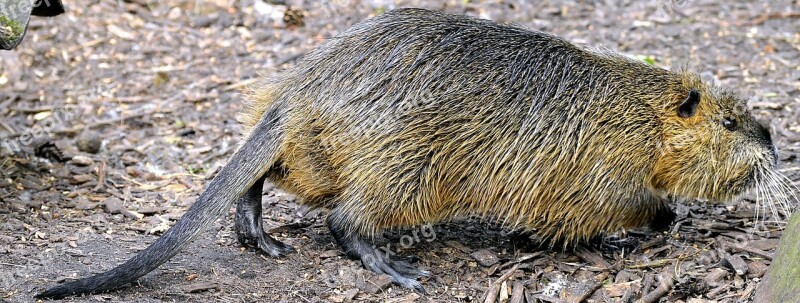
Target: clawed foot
[[402, 273], [249, 224], [266, 244]]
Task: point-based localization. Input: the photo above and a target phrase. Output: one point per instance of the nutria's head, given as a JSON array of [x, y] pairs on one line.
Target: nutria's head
[[712, 147]]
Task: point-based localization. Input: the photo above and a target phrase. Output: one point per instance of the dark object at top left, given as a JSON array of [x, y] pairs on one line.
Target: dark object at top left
[[15, 14]]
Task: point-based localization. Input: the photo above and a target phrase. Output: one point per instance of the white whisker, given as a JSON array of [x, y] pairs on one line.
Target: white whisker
[[758, 200], [770, 198], [787, 194], [790, 186], [778, 186]]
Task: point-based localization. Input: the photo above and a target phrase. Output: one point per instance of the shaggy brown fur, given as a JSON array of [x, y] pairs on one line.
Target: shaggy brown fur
[[476, 118], [418, 117]]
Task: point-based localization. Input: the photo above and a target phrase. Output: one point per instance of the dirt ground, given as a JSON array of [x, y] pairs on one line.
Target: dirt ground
[[138, 100]]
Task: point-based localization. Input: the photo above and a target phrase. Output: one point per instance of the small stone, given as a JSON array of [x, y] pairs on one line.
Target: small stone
[[112, 205], [199, 287], [616, 290], [350, 295], [132, 171], [485, 257], [347, 277], [764, 244], [82, 161], [35, 204], [622, 277], [90, 142], [148, 211], [82, 203], [59, 172], [329, 254], [737, 264], [78, 179], [336, 299], [31, 183], [714, 276], [756, 269], [129, 160], [131, 214], [248, 274], [409, 298], [375, 284], [154, 220], [458, 246]]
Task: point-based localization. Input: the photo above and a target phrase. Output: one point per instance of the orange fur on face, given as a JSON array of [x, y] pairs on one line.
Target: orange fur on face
[[701, 159]]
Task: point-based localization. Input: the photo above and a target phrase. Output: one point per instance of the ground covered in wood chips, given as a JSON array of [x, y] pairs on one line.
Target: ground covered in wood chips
[[114, 117]]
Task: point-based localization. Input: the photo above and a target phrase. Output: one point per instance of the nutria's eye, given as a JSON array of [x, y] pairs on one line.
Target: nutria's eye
[[729, 124]]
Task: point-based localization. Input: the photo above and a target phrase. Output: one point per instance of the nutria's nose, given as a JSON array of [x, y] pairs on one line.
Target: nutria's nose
[[764, 132]]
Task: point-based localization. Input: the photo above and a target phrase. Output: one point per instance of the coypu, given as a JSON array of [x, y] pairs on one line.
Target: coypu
[[417, 116]]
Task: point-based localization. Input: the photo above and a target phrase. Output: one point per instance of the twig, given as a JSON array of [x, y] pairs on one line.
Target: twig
[[9, 264], [626, 297], [77, 129], [667, 282], [647, 283], [748, 249], [101, 176], [517, 293], [492, 293], [764, 17], [593, 258], [653, 264], [87, 44], [522, 259], [494, 289], [240, 84], [188, 184], [747, 292], [507, 274], [588, 292], [33, 110], [549, 299]]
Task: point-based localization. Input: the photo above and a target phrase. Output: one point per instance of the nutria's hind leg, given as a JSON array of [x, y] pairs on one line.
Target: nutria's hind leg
[[402, 273], [249, 224]]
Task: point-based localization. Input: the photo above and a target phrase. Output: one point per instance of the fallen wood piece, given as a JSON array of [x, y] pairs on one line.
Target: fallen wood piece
[[517, 293], [494, 289], [198, 287], [751, 250], [522, 259], [667, 281], [594, 258], [764, 17], [549, 299], [782, 281]]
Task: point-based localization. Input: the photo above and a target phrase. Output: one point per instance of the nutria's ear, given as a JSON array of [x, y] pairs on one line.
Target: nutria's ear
[[689, 106]]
